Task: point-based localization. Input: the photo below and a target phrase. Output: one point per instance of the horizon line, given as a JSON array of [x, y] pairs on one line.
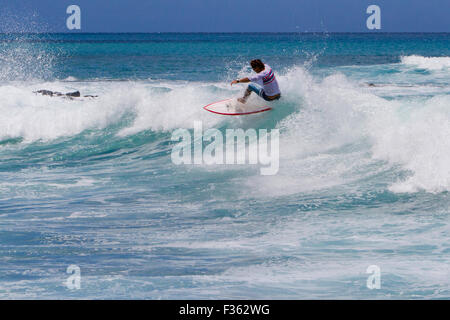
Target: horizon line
[[239, 32]]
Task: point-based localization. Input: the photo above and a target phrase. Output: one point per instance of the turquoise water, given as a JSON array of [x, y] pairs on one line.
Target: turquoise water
[[363, 176]]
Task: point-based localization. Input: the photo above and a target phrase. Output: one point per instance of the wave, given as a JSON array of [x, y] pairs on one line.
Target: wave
[[426, 63], [33, 117], [418, 138], [333, 131], [344, 134]]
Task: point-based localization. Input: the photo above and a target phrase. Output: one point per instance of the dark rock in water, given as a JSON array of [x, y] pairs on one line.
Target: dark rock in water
[[46, 92], [75, 94]]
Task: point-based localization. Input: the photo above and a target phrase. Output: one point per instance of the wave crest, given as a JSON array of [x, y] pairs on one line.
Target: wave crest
[[426, 63]]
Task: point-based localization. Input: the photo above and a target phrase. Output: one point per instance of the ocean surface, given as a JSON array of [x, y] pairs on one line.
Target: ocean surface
[[363, 180]]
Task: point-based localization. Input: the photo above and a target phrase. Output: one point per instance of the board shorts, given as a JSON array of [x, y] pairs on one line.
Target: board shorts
[[260, 92]]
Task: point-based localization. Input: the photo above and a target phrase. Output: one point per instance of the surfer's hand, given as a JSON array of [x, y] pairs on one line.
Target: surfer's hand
[[234, 82]]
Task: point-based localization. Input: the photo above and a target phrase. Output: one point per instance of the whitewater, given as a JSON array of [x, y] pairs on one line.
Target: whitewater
[[363, 177]]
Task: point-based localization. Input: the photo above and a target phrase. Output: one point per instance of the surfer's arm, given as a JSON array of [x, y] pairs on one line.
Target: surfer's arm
[[243, 80]]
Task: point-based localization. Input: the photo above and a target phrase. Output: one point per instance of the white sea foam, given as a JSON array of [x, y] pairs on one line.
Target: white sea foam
[[341, 128], [427, 63], [170, 109], [35, 117], [419, 139]]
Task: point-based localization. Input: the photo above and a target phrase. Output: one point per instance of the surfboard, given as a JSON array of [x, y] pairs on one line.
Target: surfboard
[[232, 107]]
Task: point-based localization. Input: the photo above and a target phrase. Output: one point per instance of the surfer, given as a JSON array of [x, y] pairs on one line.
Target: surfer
[[263, 83]]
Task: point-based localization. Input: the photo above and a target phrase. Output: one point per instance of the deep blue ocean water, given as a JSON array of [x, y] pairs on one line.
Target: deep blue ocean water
[[364, 174]]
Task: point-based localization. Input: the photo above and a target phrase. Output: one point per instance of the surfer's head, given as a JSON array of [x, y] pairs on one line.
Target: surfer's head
[[257, 65]]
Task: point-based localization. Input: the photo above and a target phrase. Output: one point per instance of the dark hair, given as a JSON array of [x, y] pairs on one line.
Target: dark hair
[[257, 64]]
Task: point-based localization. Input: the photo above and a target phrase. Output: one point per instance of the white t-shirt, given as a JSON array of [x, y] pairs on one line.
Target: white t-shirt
[[267, 80]]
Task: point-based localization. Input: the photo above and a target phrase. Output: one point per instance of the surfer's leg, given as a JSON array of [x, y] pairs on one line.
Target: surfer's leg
[[251, 87], [245, 97]]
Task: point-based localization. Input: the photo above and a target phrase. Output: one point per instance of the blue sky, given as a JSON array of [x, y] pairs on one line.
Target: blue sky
[[225, 15]]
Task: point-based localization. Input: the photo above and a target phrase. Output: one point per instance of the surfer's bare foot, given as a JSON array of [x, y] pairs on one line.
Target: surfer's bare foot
[[242, 100]]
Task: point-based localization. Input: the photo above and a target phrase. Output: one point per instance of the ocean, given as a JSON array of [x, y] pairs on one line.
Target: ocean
[[88, 184]]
